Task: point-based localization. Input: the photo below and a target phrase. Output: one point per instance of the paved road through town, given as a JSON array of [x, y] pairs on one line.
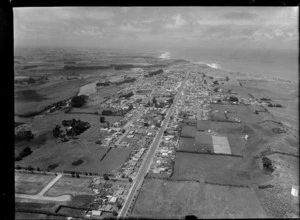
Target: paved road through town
[[149, 156]]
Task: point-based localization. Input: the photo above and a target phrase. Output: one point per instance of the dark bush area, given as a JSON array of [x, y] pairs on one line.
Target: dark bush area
[[78, 101], [267, 164], [275, 105], [154, 73], [233, 99], [128, 80], [266, 99], [128, 95], [103, 84]]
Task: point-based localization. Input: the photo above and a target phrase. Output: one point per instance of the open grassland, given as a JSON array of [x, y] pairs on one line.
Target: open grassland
[[24, 215], [169, 199], [231, 202], [211, 168], [64, 154], [34, 100], [26, 183], [71, 186], [176, 199], [115, 158]]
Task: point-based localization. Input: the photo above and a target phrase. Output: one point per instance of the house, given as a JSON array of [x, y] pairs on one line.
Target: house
[[113, 199], [96, 213]]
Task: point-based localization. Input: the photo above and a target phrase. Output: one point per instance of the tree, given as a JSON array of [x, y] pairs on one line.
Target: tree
[[227, 79], [77, 175], [30, 168], [56, 131], [154, 101], [25, 152], [38, 169], [115, 213], [102, 119], [119, 205], [18, 167], [107, 123], [233, 99], [130, 179], [105, 177], [78, 101]]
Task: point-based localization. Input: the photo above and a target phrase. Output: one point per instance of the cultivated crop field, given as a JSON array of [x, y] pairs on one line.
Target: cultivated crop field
[[26, 183], [169, 199], [211, 168], [71, 186]]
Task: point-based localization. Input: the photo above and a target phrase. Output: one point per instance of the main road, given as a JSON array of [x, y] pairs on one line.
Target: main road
[[147, 160]]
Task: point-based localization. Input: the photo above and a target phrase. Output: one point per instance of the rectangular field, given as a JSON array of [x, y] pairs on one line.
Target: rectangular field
[[231, 202], [71, 186], [188, 131], [204, 140], [169, 199], [221, 145], [212, 168], [26, 183], [113, 161]]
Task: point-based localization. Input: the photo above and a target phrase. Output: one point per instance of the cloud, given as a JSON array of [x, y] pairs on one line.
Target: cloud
[[239, 16], [131, 28], [178, 22]]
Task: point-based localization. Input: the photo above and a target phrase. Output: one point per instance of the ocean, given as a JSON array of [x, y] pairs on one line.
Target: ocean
[[277, 64]]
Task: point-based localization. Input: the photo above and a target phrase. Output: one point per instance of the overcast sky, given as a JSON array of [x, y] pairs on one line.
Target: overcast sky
[[158, 27]]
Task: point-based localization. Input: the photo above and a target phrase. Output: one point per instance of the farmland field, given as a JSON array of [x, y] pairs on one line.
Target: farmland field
[[188, 131], [169, 199], [114, 160], [231, 202], [211, 168], [64, 155], [26, 183], [71, 186]]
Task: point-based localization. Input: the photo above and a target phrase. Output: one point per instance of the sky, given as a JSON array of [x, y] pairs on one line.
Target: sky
[[158, 27]]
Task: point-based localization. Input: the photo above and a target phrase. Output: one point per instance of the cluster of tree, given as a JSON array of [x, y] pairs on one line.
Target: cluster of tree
[[154, 73], [266, 99], [128, 80], [216, 82], [216, 89], [275, 105], [77, 127], [103, 84], [78, 101], [233, 99], [24, 153], [122, 66], [128, 95], [267, 164], [23, 132], [107, 112]]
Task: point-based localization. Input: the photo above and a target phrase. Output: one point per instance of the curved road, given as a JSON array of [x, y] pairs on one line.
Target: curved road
[[147, 160]]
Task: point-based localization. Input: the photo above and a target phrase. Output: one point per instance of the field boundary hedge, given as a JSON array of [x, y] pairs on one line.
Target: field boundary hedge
[[221, 154], [231, 185], [169, 179]]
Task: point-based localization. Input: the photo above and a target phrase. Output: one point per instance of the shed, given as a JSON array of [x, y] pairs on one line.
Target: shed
[[295, 191]]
